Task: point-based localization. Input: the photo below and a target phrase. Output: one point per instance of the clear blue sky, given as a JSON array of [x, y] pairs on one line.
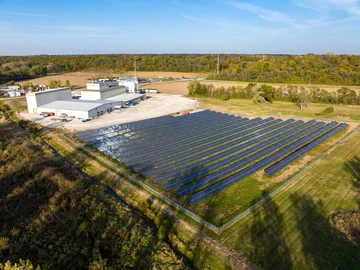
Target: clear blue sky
[[179, 26]]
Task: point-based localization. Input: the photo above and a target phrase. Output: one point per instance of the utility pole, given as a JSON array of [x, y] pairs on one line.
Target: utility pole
[[135, 68], [218, 64]]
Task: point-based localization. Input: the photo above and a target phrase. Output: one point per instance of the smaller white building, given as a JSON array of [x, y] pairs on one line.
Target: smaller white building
[[13, 87], [102, 90], [14, 93], [131, 84]]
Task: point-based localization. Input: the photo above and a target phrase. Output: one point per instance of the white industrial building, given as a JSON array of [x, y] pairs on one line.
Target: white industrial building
[[79, 108], [131, 84], [36, 99], [98, 99]]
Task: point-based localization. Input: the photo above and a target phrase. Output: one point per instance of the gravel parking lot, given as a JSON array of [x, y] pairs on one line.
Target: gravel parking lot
[[156, 105]]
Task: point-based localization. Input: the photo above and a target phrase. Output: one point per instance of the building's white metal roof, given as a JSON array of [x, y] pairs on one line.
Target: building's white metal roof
[[104, 90], [126, 97], [76, 104], [47, 91]]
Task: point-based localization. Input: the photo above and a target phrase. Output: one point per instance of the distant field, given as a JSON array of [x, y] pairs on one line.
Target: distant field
[[294, 230], [79, 79], [181, 87]]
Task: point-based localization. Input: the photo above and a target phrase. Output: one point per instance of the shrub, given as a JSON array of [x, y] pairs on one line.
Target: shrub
[[4, 243], [348, 222], [327, 111], [225, 96]]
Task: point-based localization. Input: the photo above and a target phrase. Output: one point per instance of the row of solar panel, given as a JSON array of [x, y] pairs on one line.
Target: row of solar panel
[[217, 138], [252, 154], [148, 127], [205, 162], [208, 151], [148, 140], [214, 189], [191, 138], [190, 134], [273, 169], [193, 155]]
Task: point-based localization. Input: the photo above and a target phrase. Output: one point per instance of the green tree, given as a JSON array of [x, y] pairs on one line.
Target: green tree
[[257, 95], [303, 98]]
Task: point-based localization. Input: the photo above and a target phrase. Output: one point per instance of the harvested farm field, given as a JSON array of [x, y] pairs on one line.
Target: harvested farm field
[[180, 87], [79, 79]]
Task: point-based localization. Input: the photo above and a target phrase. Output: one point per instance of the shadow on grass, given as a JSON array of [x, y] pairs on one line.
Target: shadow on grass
[[323, 246], [353, 167], [267, 245]]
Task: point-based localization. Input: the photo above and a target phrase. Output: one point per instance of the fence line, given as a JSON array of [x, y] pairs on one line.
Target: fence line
[[195, 217], [263, 200], [149, 189]]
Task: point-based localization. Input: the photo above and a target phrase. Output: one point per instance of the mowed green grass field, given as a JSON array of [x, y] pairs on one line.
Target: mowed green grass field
[[246, 107], [294, 229]]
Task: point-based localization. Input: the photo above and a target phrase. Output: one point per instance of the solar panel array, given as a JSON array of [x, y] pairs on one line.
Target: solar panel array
[[200, 154]]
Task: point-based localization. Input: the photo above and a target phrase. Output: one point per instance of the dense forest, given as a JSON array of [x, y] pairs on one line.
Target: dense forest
[[54, 217], [311, 68]]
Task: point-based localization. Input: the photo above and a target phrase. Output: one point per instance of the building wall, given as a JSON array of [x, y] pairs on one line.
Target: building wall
[[34, 100], [57, 112], [100, 110], [90, 95], [103, 94], [112, 92]]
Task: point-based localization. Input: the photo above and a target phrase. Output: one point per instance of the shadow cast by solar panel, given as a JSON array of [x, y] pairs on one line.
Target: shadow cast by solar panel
[[197, 172]]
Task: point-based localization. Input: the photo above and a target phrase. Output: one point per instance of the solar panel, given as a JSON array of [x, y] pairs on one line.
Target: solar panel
[[203, 144], [217, 157], [211, 190], [191, 156], [203, 153], [273, 169], [253, 155]]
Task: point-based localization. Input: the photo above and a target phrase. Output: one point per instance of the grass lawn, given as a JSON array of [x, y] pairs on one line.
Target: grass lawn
[[294, 230], [17, 104], [247, 107]]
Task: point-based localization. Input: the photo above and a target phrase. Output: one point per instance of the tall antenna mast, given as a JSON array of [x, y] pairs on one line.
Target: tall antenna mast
[[135, 68], [218, 64]]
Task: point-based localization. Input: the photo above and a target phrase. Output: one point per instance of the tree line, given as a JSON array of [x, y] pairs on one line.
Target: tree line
[[310, 68], [261, 93]]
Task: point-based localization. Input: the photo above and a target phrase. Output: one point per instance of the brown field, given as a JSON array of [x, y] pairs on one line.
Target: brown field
[[79, 79], [181, 87]]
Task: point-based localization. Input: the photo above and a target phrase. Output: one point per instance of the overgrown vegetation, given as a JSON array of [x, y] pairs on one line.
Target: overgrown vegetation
[[327, 111], [310, 68], [259, 94], [55, 217], [348, 222]]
